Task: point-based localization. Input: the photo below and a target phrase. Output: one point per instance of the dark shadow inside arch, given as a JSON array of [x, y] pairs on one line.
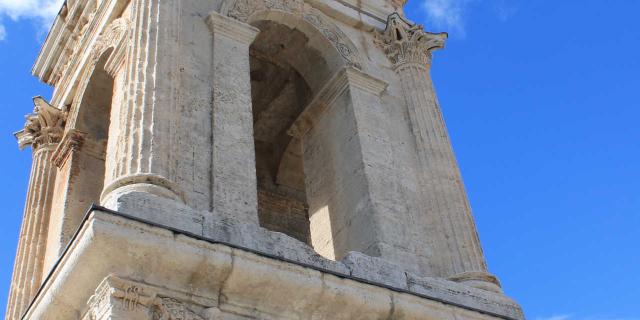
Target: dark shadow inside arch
[[309, 183], [94, 114], [279, 95]]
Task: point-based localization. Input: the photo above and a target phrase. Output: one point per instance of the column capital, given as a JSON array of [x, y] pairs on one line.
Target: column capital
[[404, 42], [44, 126], [231, 28]]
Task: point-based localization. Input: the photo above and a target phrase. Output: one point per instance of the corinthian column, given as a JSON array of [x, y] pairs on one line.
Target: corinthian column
[[457, 247], [42, 132]]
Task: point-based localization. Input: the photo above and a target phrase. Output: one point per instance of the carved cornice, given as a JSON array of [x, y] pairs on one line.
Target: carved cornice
[[243, 10], [44, 126], [65, 40], [406, 43]]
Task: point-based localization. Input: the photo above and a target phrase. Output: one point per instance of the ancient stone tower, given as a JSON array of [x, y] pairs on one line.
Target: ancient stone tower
[[247, 159]]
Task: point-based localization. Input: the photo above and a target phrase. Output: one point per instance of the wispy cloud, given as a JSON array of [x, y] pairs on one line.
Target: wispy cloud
[[556, 317], [42, 12], [452, 15], [447, 14]]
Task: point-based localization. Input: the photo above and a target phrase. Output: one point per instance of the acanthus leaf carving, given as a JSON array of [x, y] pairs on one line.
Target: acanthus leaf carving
[[404, 42], [44, 126]]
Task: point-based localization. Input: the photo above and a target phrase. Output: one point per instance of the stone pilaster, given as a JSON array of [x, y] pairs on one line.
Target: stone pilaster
[[144, 152], [42, 131], [458, 253], [233, 159]]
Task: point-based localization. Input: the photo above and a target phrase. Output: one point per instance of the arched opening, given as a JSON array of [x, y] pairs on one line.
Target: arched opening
[[279, 94], [311, 181], [93, 120]]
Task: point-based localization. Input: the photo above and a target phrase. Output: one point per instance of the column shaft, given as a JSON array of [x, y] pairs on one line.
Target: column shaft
[[143, 151], [444, 193], [27, 274], [458, 254]]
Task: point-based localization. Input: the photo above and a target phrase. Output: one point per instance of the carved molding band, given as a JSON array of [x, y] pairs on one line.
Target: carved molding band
[[406, 43], [44, 126], [243, 10], [114, 37], [127, 298]]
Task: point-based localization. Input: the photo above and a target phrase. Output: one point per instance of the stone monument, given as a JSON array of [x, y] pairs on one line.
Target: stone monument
[[244, 159]]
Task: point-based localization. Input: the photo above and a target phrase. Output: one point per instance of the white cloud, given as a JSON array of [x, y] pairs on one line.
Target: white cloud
[[556, 317], [450, 15], [446, 14], [41, 12]]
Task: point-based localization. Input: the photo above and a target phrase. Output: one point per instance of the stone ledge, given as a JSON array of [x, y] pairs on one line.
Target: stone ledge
[[251, 281]]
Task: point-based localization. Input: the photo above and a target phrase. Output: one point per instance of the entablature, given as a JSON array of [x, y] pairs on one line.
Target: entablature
[[68, 47]]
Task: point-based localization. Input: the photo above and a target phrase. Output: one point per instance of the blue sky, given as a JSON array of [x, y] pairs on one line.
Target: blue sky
[[542, 101]]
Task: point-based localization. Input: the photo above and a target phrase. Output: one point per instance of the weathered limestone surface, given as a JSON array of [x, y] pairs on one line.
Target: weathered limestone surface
[[266, 159], [211, 280], [42, 131], [445, 201]]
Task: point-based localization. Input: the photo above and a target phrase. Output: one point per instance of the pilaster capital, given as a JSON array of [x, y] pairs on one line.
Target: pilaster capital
[[44, 126], [347, 78], [72, 141], [231, 28], [407, 43]]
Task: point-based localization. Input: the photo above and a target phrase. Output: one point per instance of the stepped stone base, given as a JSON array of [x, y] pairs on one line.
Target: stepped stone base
[[122, 267]]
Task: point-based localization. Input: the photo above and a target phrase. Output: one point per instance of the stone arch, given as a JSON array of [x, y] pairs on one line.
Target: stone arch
[[299, 62], [309, 98], [111, 48], [298, 14], [115, 37], [81, 159]]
